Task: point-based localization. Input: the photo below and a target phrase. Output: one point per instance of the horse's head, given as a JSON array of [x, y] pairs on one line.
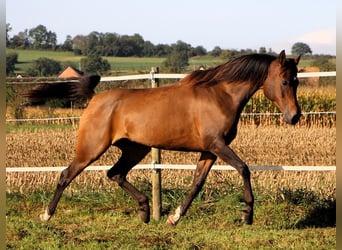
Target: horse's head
[[280, 87]]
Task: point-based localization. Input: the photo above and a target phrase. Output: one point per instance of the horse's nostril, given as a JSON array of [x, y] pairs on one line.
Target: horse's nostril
[[295, 118]]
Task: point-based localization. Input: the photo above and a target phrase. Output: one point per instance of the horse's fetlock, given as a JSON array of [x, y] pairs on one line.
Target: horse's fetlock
[[142, 201]]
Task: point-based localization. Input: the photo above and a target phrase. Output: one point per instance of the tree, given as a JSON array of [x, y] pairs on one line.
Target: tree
[[68, 44], [44, 67], [162, 50], [8, 29], [262, 50], [94, 64], [11, 60], [148, 49], [42, 38], [20, 41], [228, 54], [111, 43], [199, 51], [300, 48], [216, 51], [94, 43], [51, 40], [80, 45], [178, 59]]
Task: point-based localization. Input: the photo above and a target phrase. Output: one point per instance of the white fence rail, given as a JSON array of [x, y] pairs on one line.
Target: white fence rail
[[152, 75], [176, 167], [73, 118]]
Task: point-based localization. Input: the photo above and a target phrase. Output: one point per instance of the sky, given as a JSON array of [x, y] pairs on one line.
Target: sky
[[228, 24]]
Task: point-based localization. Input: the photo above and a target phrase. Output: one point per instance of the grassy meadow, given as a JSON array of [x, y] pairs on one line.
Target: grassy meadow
[[293, 209], [119, 65]]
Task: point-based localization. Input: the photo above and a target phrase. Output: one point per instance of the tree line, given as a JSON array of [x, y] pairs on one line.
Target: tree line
[[113, 44], [109, 44], [95, 45], [104, 44]]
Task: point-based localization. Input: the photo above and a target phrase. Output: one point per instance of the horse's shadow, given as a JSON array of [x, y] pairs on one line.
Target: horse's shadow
[[321, 216], [321, 212]]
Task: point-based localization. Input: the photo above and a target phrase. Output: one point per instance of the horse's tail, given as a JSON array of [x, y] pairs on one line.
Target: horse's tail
[[73, 90]]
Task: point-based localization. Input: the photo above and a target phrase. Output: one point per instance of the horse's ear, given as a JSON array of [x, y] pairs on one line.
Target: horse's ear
[[296, 60], [282, 57]]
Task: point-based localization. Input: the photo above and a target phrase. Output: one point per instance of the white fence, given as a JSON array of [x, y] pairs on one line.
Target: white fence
[[152, 76], [176, 167]]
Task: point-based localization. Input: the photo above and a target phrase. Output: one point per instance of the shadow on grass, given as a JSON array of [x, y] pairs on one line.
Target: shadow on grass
[[322, 215], [319, 212]]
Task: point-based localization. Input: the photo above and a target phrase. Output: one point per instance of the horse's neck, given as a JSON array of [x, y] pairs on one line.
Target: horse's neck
[[241, 92]]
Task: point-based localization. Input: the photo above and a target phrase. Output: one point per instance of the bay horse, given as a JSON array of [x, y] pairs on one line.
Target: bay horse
[[200, 113]]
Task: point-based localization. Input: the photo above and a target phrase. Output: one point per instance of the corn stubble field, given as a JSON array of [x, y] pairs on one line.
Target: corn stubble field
[[293, 210]]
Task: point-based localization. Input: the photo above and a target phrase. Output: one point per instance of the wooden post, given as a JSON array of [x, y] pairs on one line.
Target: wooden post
[[156, 186], [156, 159]]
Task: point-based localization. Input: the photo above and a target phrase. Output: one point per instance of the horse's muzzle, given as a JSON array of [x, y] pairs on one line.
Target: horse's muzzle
[[293, 119]]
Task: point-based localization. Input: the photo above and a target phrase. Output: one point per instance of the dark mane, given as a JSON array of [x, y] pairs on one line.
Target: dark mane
[[253, 67]]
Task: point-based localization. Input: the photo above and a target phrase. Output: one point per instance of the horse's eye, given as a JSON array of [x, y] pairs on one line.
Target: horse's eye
[[295, 78], [284, 82]]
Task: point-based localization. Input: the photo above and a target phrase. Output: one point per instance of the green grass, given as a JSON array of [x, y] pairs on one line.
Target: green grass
[[290, 219], [138, 65], [119, 65], [34, 127], [25, 56]]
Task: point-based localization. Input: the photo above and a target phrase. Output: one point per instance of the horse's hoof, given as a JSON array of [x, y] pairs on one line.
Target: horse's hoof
[[171, 220], [247, 218], [144, 216], [45, 216]]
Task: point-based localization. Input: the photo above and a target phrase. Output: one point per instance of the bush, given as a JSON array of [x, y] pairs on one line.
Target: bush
[[11, 60], [44, 67], [94, 64]]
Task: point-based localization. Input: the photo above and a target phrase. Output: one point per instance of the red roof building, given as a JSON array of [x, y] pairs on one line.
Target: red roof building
[[70, 72]]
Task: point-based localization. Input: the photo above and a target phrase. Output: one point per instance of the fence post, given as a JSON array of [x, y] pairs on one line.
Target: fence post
[[156, 159]]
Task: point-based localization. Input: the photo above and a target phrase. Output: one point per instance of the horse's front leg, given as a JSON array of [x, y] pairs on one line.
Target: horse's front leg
[[203, 167], [228, 155]]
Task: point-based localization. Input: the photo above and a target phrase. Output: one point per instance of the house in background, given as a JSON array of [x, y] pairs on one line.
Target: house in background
[[71, 72]]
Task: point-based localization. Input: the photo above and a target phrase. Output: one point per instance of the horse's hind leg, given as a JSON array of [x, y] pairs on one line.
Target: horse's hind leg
[[88, 150], [132, 154], [66, 177]]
